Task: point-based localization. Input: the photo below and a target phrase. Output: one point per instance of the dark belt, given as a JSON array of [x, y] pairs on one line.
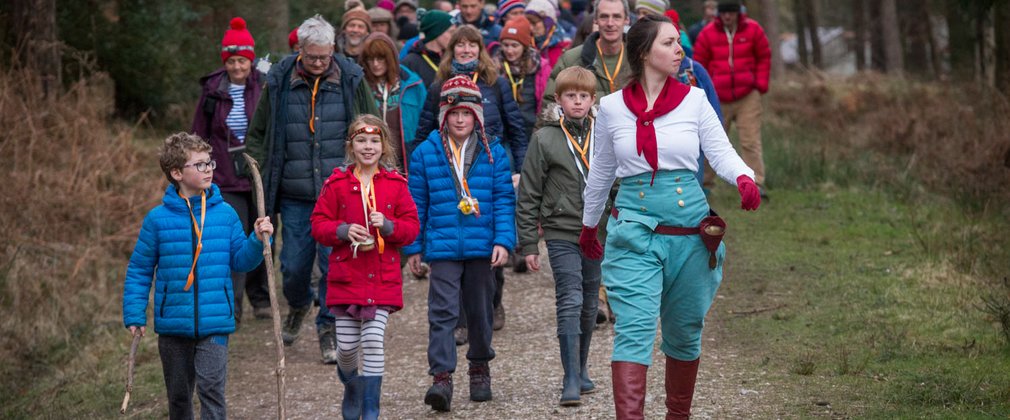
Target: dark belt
[[668, 230]]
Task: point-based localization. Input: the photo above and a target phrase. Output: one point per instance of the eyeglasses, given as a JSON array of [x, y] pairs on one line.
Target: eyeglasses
[[203, 166], [322, 59]]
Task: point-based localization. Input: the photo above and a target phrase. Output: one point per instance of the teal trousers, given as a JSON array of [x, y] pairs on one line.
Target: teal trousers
[[653, 277]]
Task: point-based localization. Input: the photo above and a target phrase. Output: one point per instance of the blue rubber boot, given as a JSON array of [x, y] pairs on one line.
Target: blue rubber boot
[[350, 407], [371, 396]]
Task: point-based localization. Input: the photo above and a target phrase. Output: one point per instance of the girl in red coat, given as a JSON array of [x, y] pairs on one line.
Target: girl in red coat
[[365, 212]]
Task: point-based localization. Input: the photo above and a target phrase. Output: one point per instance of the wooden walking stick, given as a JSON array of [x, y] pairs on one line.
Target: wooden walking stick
[[129, 370], [268, 259]]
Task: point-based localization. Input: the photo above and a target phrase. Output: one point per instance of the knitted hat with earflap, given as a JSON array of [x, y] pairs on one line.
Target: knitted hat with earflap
[[546, 10], [461, 92], [237, 41]]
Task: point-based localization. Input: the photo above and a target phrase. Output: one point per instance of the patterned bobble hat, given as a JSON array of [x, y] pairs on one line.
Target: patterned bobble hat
[[506, 6], [461, 92], [656, 7], [237, 41]]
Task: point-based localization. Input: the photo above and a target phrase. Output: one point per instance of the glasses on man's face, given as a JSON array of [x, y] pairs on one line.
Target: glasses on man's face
[[203, 166], [321, 59]]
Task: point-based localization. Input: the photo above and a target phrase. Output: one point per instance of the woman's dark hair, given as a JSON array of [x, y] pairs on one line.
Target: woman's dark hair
[[640, 38]]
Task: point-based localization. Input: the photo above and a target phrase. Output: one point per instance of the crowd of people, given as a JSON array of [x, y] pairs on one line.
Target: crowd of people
[[449, 142]]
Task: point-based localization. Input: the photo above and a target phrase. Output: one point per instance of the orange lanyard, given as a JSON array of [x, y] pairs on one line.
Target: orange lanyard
[[312, 115], [430, 63], [199, 234], [457, 163], [583, 150], [515, 84], [617, 69], [549, 35], [369, 205]]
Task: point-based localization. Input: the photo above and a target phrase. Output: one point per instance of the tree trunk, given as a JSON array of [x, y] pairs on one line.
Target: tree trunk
[[38, 48], [278, 26], [801, 33], [770, 15], [1002, 14], [961, 42], [859, 29], [913, 16], [876, 36], [810, 10], [893, 60]]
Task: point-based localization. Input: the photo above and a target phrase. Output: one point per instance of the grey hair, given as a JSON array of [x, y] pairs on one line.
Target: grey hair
[[316, 31], [627, 9]]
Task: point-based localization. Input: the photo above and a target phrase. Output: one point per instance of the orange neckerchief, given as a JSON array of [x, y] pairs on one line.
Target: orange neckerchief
[[458, 165], [199, 233], [617, 69], [369, 205], [549, 35], [312, 115], [583, 150]]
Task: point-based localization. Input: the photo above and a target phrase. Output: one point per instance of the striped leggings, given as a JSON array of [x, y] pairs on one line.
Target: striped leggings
[[370, 336]]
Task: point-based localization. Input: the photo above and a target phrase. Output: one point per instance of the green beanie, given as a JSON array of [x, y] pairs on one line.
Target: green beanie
[[434, 23]]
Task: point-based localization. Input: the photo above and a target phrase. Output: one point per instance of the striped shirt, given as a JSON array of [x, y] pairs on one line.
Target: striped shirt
[[237, 121]]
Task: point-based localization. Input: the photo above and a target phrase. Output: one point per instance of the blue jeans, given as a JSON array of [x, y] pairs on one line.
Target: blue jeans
[[200, 363], [576, 286], [297, 254]]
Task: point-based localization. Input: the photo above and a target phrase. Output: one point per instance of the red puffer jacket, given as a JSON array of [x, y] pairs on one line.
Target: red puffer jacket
[[747, 69], [371, 278]]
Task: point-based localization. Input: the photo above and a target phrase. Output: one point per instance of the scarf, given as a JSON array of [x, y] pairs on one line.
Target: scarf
[[464, 68], [669, 98]]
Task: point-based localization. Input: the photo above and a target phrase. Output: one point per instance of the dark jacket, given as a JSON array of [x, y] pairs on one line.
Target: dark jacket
[[416, 63], [209, 123], [502, 119], [295, 161]]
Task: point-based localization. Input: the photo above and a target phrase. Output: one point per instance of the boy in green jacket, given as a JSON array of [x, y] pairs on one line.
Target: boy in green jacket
[[550, 195]]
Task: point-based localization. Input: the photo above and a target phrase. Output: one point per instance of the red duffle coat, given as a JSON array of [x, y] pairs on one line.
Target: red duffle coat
[[370, 278]]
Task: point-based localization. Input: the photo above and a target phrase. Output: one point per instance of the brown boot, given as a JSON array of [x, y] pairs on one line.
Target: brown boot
[[629, 389], [680, 378]]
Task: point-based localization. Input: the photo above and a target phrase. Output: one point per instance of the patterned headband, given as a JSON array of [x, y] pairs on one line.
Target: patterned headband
[[367, 129]]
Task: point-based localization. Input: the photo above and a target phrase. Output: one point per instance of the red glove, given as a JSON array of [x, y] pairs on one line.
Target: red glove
[[750, 196], [590, 244]]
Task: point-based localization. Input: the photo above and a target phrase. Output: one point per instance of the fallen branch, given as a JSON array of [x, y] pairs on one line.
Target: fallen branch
[[757, 311], [268, 259]]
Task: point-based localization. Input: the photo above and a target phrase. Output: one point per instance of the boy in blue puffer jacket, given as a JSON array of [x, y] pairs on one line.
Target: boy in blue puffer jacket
[[462, 186], [189, 246]]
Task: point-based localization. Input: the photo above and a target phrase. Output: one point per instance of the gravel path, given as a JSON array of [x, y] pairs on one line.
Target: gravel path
[[526, 374]]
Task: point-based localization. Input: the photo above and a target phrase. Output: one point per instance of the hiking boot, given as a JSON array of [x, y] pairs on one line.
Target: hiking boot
[[499, 317], [459, 334], [262, 312], [328, 343], [480, 381], [293, 324], [439, 395]]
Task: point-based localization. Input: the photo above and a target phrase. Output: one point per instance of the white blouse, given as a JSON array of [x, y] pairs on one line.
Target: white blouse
[[680, 134]]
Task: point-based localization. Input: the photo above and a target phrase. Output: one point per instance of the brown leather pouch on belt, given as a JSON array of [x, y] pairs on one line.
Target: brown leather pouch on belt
[[712, 229]]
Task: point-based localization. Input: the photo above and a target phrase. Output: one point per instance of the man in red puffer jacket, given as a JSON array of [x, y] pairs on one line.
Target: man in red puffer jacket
[[740, 71]]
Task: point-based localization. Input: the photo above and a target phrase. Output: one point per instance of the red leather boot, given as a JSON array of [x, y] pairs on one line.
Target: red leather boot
[[680, 379], [629, 389]]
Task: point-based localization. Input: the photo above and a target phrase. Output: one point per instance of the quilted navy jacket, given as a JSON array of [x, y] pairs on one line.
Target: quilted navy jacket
[[164, 255], [446, 233]]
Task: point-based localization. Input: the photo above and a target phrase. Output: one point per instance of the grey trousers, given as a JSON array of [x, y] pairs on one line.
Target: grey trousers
[[189, 362], [471, 282]]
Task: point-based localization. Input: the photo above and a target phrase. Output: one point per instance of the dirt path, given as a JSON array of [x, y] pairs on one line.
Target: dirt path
[[526, 374]]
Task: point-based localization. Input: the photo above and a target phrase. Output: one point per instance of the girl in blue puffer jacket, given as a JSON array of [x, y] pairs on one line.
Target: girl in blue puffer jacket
[[462, 186], [189, 246]]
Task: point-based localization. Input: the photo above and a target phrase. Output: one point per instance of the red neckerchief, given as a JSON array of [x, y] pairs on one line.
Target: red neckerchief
[[672, 95]]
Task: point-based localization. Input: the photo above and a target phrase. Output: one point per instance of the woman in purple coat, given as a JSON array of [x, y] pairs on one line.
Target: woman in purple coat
[[226, 106]]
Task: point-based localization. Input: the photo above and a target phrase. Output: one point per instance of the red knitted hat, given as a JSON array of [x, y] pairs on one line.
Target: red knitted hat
[[237, 41], [674, 17], [293, 38], [518, 29]]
